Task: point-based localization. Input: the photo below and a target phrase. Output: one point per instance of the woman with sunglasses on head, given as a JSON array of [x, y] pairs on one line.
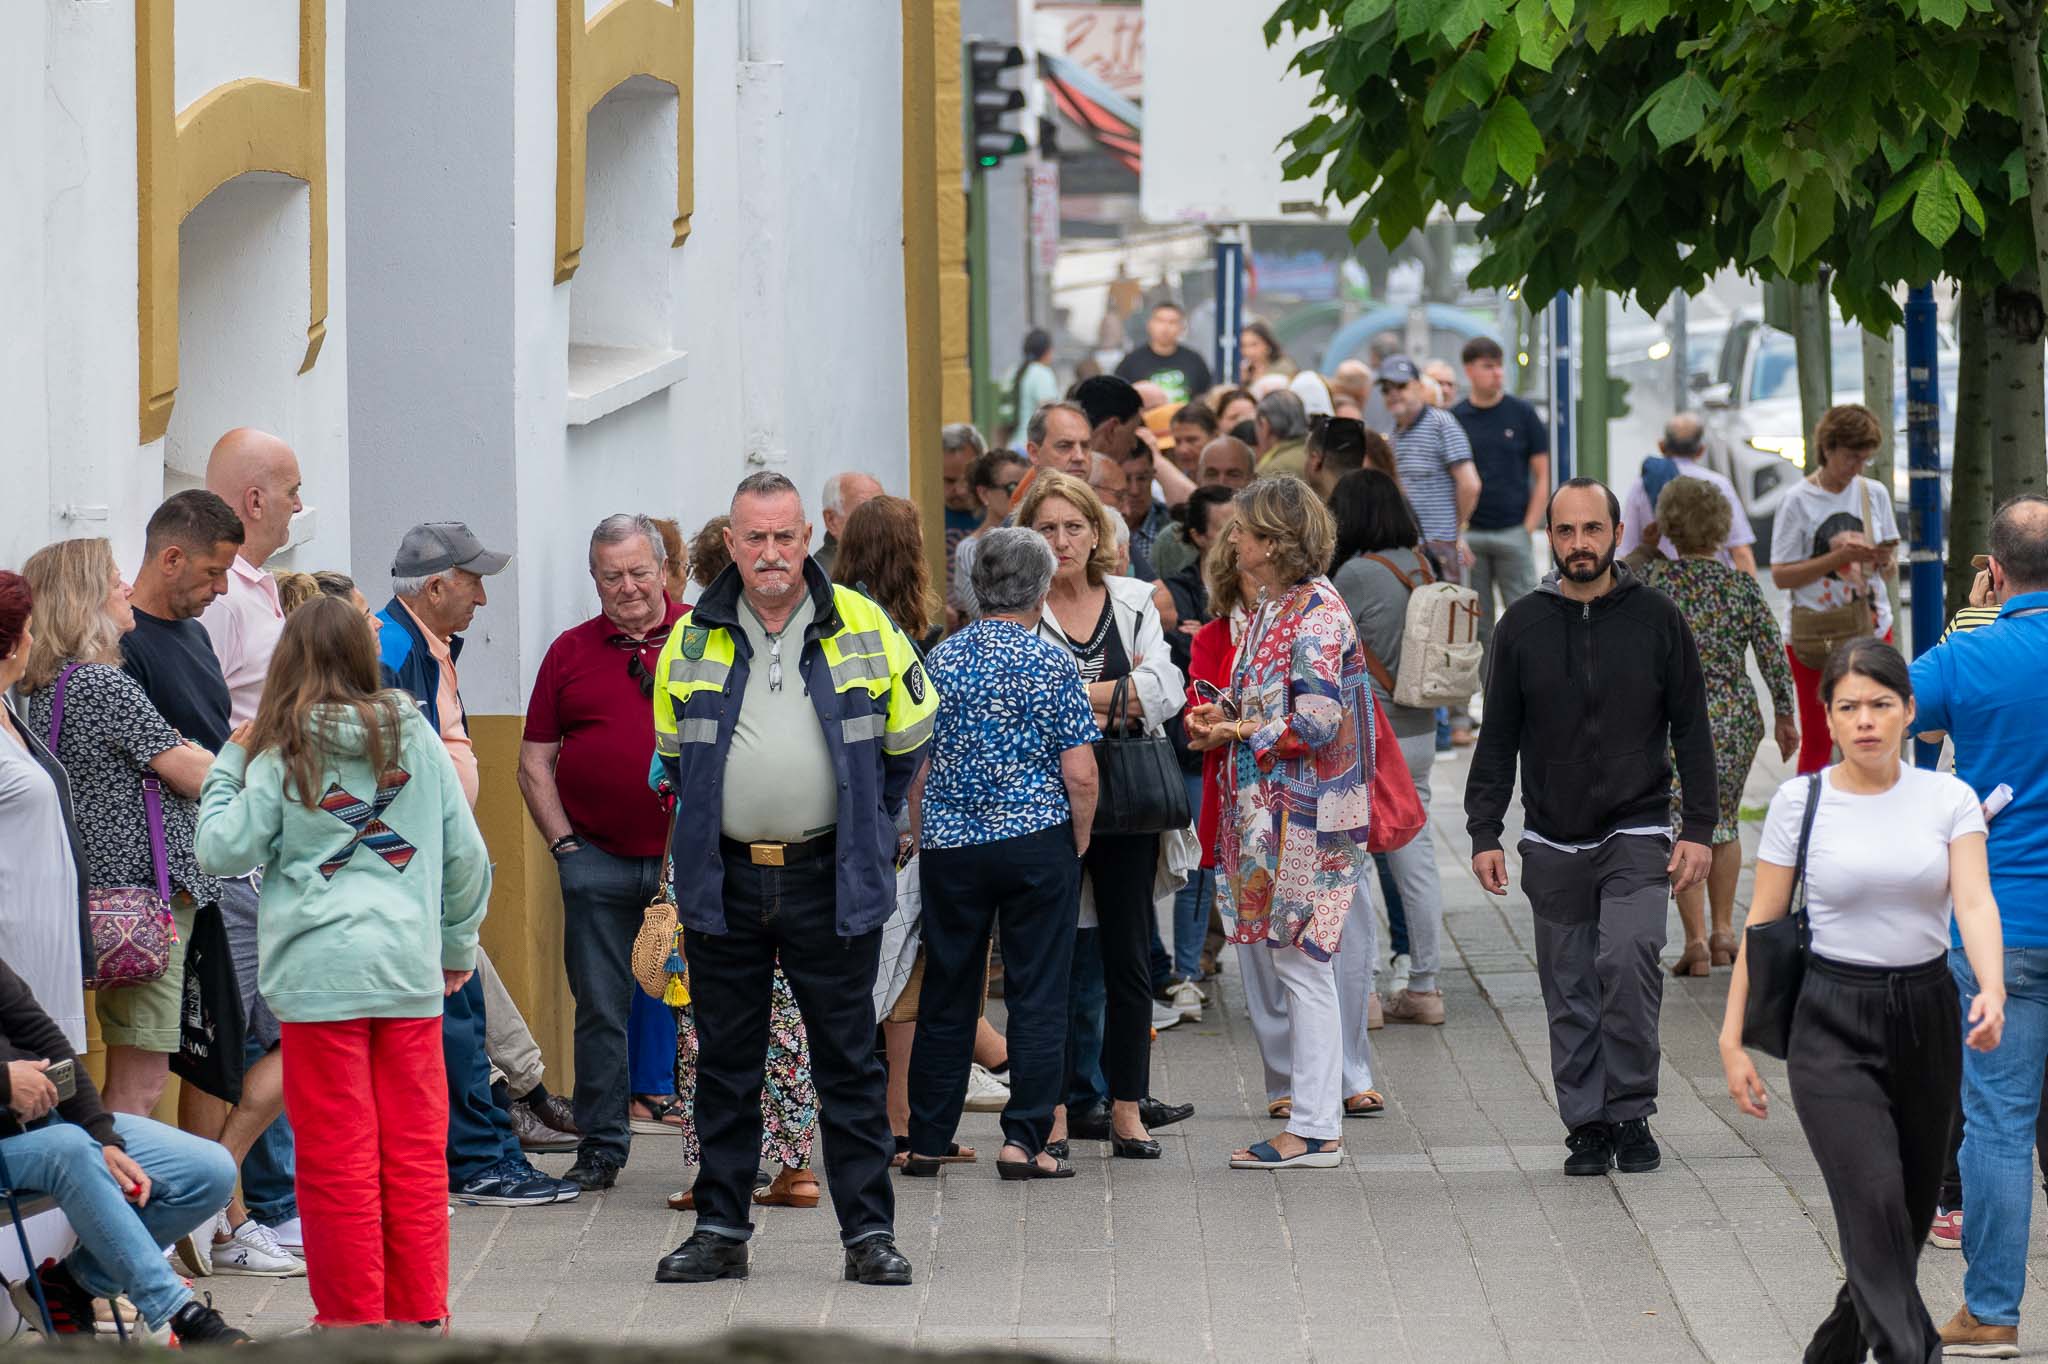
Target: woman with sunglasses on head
[[1884, 850], [994, 479]]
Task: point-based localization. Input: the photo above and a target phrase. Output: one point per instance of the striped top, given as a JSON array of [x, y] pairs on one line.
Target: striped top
[[1424, 454], [1969, 618]]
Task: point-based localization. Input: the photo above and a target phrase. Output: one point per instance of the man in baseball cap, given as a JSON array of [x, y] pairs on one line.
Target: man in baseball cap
[[437, 546]]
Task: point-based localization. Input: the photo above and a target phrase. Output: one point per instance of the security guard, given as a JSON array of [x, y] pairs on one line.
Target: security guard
[[791, 716]]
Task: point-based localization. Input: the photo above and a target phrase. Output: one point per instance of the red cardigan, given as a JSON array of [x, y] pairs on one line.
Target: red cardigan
[[1210, 657]]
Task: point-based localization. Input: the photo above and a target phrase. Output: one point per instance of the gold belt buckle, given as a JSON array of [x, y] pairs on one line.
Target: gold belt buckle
[[765, 854]]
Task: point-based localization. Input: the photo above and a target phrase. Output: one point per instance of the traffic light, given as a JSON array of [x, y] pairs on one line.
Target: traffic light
[[990, 102]]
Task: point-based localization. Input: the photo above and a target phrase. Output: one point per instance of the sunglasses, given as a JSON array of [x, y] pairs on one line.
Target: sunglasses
[[1217, 697], [1010, 488], [636, 666]]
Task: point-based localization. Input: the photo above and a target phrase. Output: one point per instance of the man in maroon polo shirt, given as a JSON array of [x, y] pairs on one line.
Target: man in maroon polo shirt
[[583, 762]]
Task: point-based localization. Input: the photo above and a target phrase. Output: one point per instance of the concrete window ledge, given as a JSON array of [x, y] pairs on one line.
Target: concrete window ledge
[[603, 379]]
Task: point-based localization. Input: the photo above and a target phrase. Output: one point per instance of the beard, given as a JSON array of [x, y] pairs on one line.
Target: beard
[[1583, 567]]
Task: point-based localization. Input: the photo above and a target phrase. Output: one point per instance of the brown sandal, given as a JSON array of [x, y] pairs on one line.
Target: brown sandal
[[791, 1189], [683, 1201], [1692, 961], [1280, 1108], [1370, 1104], [1721, 948]]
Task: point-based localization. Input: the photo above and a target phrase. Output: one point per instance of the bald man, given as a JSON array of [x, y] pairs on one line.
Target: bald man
[[843, 492], [257, 475], [1226, 462], [1685, 438]]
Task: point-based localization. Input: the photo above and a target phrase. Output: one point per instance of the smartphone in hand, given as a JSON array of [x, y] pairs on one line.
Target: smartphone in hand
[[64, 1075]]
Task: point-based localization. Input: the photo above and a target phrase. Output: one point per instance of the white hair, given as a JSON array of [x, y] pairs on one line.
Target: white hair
[[1119, 529], [619, 528], [835, 489], [407, 588]]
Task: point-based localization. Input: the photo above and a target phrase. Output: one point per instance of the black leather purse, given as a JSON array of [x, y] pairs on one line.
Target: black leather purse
[[1776, 953], [1139, 778]]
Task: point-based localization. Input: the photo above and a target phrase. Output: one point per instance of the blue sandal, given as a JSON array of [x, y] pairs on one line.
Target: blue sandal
[[1320, 1155]]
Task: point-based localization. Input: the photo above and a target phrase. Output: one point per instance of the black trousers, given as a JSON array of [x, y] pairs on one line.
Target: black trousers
[[1869, 1046], [1121, 869], [1030, 885], [787, 914]]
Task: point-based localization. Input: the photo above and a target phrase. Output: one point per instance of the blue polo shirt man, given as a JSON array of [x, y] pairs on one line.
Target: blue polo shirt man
[[1989, 689]]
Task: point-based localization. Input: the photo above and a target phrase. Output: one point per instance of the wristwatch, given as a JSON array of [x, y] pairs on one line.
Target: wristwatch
[[565, 843]]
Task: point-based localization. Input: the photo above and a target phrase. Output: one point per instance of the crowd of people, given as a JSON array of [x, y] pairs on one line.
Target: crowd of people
[[1184, 685]]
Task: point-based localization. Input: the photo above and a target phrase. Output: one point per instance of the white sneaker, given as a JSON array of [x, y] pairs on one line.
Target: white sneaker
[[254, 1250], [193, 1255], [1187, 999], [985, 1093], [292, 1236], [1397, 978], [1164, 1017]]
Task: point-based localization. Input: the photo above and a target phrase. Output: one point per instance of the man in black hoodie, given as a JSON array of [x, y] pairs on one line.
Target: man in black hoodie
[[129, 1186], [1592, 675]]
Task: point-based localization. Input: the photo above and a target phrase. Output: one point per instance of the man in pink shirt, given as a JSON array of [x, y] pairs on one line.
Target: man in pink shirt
[[258, 475]]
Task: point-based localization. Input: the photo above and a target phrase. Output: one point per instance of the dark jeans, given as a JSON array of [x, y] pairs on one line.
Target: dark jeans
[[1085, 1085], [787, 914], [1030, 885], [1122, 869], [1871, 1050], [479, 1132], [1952, 1176], [603, 900], [1397, 913], [269, 1170]]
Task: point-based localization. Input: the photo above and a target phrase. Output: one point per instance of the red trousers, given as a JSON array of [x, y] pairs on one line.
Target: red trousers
[[368, 1098], [1816, 744]]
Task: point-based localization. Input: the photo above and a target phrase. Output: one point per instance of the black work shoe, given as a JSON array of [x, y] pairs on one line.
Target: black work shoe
[[196, 1323], [1088, 1124], [593, 1172], [877, 1261], [1155, 1113], [1635, 1150], [701, 1259], [1592, 1149]]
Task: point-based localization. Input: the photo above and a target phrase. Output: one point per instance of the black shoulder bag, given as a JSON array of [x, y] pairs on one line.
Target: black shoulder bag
[[1142, 790], [1776, 952]]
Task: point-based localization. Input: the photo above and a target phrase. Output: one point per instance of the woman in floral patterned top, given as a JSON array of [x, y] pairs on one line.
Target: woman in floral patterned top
[[1298, 717], [1729, 619]]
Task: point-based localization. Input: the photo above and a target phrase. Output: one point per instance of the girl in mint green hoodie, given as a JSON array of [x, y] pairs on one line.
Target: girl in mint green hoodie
[[375, 882]]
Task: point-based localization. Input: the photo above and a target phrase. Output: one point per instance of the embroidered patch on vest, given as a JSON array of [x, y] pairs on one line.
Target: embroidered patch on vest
[[694, 639], [913, 682]]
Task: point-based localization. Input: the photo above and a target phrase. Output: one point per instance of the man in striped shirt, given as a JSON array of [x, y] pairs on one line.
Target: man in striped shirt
[[1435, 462]]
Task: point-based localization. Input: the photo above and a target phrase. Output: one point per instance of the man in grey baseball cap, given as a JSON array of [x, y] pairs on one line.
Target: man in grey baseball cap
[[438, 546]]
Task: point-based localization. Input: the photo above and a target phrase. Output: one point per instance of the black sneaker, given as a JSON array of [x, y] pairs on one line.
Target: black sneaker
[[515, 1184], [1635, 1150], [196, 1323], [593, 1172], [1592, 1149], [70, 1305]]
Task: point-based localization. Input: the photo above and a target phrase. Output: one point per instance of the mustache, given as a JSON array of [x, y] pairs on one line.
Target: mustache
[[760, 564]]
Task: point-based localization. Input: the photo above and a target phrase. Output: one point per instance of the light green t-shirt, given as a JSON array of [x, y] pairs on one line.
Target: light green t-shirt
[[780, 785]]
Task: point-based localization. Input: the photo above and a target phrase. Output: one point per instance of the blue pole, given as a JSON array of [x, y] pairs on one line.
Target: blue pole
[[1561, 387], [1923, 457], [1229, 303]]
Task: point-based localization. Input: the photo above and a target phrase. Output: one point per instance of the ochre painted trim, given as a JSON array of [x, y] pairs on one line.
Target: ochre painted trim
[[182, 157], [626, 38]]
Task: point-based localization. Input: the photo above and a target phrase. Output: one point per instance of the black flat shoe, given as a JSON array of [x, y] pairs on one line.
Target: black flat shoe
[[877, 1261], [706, 1256], [1031, 1169], [1089, 1124], [1153, 1113], [922, 1167], [1132, 1149], [1056, 1149]]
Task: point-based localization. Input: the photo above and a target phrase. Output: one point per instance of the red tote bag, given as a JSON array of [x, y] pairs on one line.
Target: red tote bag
[[1397, 814]]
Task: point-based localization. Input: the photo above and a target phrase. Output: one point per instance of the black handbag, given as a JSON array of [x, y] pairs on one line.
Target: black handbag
[[1776, 953], [1139, 779], [212, 1033]]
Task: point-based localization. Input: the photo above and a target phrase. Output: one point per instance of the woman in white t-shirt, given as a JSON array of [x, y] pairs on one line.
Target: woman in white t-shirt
[[1831, 547], [1873, 1063]]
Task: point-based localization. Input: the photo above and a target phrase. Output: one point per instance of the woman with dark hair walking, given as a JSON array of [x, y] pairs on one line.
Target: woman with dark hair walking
[[1881, 851]]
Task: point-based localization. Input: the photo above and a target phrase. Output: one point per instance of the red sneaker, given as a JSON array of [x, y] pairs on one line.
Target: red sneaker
[[1947, 1231]]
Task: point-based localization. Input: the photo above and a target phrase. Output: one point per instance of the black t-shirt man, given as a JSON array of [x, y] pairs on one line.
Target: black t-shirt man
[[1183, 374], [174, 662], [1504, 438]]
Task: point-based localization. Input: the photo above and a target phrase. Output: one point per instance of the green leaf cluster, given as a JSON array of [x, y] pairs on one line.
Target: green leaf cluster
[[1646, 145]]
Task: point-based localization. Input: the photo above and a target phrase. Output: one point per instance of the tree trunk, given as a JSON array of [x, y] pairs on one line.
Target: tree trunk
[[1969, 525], [1814, 355], [1878, 397], [2019, 443]]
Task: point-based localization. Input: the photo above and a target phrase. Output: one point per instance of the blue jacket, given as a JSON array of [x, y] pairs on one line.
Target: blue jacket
[[409, 665], [873, 700]]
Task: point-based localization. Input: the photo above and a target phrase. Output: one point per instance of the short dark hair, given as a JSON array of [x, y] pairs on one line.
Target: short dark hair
[[1168, 305], [1866, 657], [1195, 515], [987, 470], [1246, 431], [1340, 441], [1034, 430], [1372, 514], [1105, 397], [2019, 541], [1613, 502], [195, 521], [1195, 413], [1480, 348]]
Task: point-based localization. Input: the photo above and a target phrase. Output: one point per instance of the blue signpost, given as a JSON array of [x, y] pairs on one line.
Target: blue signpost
[[1923, 458], [1561, 387], [1229, 302]]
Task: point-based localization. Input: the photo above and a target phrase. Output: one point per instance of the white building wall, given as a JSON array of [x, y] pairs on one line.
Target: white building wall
[[24, 436]]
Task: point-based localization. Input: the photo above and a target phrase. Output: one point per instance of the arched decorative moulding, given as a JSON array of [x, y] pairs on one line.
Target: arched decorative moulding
[[626, 38], [181, 157]]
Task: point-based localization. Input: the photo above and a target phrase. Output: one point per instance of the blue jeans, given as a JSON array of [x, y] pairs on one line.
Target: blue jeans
[[121, 1246], [270, 1169], [1087, 998], [1191, 904], [479, 1132], [651, 1046], [1397, 911], [2001, 1096]]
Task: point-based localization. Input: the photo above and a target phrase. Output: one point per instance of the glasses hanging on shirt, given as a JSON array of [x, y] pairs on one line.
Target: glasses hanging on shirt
[[775, 663], [636, 665]]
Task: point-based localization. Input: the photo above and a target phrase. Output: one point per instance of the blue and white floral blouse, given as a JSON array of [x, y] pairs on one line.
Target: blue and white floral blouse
[[1011, 704]]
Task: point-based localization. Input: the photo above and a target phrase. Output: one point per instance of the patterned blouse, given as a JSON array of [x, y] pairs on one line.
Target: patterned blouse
[[110, 734], [1302, 784], [1010, 704]]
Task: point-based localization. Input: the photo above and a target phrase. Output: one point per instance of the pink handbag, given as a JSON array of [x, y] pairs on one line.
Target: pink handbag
[[133, 933]]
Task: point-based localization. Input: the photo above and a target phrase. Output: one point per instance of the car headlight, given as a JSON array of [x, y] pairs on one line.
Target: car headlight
[[1792, 449]]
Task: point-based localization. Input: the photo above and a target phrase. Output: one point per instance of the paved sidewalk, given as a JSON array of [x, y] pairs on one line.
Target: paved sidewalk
[[1450, 1235]]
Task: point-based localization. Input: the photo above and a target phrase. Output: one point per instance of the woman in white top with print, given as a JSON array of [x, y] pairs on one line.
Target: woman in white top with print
[[1873, 1062], [1832, 540]]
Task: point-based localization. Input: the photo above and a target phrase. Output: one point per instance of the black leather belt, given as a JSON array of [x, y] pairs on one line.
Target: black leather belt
[[781, 854]]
